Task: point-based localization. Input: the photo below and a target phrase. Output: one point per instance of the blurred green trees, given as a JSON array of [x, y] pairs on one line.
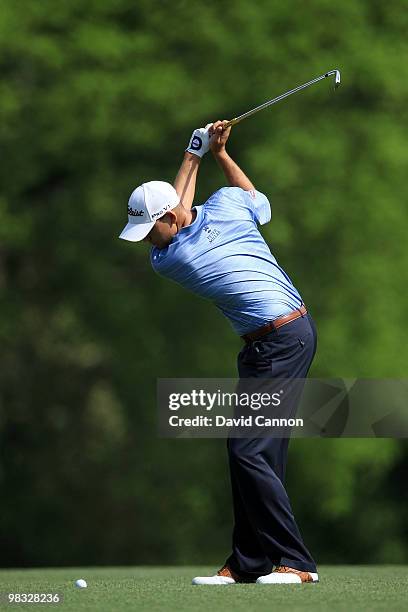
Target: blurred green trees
[[99, 96]]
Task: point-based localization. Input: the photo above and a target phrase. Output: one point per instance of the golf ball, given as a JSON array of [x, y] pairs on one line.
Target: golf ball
[[81, 583]]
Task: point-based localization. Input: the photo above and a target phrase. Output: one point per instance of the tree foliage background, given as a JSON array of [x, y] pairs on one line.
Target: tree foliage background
[[99, 96]]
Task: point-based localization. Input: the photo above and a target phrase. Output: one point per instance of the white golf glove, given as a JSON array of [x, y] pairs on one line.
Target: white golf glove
[[199, 141]]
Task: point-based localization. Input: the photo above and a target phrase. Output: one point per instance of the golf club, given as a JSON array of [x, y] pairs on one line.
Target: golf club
[[285, 95]]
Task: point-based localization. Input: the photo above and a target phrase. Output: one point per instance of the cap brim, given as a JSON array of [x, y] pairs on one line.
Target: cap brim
[[135, 232]]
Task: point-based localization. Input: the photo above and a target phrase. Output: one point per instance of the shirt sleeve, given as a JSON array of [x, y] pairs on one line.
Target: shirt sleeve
[[236, 203], [259, 205]]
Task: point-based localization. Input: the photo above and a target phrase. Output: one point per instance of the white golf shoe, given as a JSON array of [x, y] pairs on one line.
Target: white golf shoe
[[287, 575], [224, 576]]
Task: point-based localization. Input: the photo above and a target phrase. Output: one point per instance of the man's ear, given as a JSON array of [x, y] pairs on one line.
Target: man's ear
[[172, 217], [169, 218]]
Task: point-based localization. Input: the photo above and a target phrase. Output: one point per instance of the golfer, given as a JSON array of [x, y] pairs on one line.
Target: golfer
[[217, 251]]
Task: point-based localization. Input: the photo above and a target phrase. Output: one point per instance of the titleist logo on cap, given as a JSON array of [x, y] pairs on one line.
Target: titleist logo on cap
[[135, 213]]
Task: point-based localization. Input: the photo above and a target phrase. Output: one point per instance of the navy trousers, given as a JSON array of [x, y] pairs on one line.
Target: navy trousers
[[265, 532]]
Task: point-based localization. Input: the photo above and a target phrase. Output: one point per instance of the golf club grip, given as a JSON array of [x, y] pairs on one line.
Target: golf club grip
[[231, 122]]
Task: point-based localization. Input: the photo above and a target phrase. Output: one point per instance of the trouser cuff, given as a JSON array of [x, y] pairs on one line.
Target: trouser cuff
[[302, 566], [247, 576]]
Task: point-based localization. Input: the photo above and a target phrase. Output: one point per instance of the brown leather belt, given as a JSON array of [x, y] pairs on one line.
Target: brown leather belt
[[265, 329]]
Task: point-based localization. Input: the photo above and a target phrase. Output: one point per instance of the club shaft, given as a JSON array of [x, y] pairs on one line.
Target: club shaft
[[279, 98]]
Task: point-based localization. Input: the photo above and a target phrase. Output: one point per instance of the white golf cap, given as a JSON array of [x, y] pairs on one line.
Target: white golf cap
[[147, 203]]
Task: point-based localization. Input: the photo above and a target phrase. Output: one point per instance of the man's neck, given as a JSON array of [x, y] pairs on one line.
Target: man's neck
[[186, 217]]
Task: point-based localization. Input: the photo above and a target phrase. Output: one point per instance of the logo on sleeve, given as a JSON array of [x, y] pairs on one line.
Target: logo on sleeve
[[211, 234]]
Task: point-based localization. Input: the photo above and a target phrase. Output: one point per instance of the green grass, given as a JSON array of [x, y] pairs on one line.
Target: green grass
[[351, 588]]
